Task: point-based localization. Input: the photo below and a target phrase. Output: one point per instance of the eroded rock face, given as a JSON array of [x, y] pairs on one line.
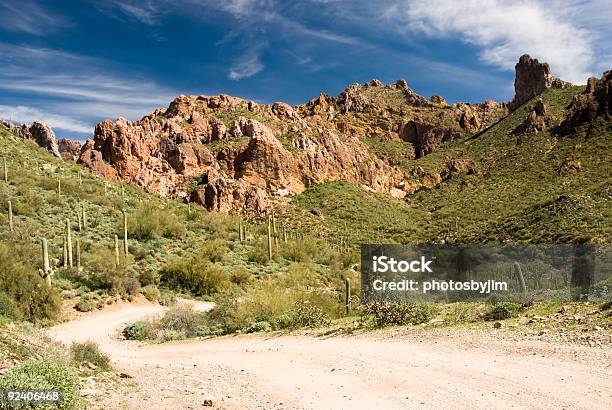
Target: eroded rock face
[[69, 150], [537, 120], [596, 100], [42, 135], [532, 78], [244, 155], [427, 137]]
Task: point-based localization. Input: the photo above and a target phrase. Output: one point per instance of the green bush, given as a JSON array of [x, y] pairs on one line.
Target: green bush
[[214, 250], [85, 304], [103, 273], [397, 313], [503, 310], [309, 315], [256, 327], [42, 375], [20, 281], [8, 307], [194, 275], [88, 352], [151, 293], [240, 276], [137, 331], [179, 322], [148, 222]]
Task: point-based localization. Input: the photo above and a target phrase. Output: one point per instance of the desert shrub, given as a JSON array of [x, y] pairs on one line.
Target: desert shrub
[[182, 318], [20, 281], [42, 375], [240, 276], [309, 315], [214, 250], [103, 273], [397, 313], [89, 352], [167, 298], [85, 304], [148, 222], [137, 331], [256, 327], [194, 275], [8, 307], [503, 310], [270, 301], [151, 293], [179, 322], [217, 223], [259, 252]]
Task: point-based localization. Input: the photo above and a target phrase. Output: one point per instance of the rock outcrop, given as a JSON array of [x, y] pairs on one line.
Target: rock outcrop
[[595, 101], [241, 155], [42, 135], [537, 120], [532, 78], [69, 150]]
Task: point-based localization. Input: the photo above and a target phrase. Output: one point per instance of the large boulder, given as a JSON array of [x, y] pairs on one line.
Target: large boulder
[[532, 78]]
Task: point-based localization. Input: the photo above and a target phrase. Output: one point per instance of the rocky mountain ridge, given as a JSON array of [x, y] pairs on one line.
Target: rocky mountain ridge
[[228, 153]]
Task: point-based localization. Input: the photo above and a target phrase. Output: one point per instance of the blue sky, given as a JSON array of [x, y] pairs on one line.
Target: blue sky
[[75, 63]]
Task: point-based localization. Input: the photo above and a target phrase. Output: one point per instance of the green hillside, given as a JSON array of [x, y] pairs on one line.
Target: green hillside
[[518, 190]]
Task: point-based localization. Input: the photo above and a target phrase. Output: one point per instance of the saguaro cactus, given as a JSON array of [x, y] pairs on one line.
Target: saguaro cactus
[[78, 255], [519, 274], [83, 217], [116, 250], [80, 178], [240, 232], [59, 185], [45, 256], [10, 216], [269, 238], [5, 171], [69, 243], [347, 296], [125, 233], [65, 253], [79, 221]]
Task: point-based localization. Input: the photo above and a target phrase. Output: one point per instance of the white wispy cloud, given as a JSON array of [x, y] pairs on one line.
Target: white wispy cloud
[[245, 68], [30, 17], [71, 92], [23, 114], [505, 30]]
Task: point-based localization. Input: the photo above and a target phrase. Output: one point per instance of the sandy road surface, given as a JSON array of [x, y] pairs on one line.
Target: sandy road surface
[[451, 369]]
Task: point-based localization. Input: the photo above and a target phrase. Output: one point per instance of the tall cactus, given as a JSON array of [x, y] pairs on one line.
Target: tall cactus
[[125, 234], [69, 243], [5, 171], [46, 266], [519, 274], [78, 255], [347, 296], [65, 253], [79, 220], [80, 178], [116, 250], [10, 216], [240, 233], [59, 185], [83, 216], [269, 238]]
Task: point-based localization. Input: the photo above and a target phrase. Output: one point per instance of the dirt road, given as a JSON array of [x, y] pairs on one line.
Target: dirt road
[[451, 369]]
